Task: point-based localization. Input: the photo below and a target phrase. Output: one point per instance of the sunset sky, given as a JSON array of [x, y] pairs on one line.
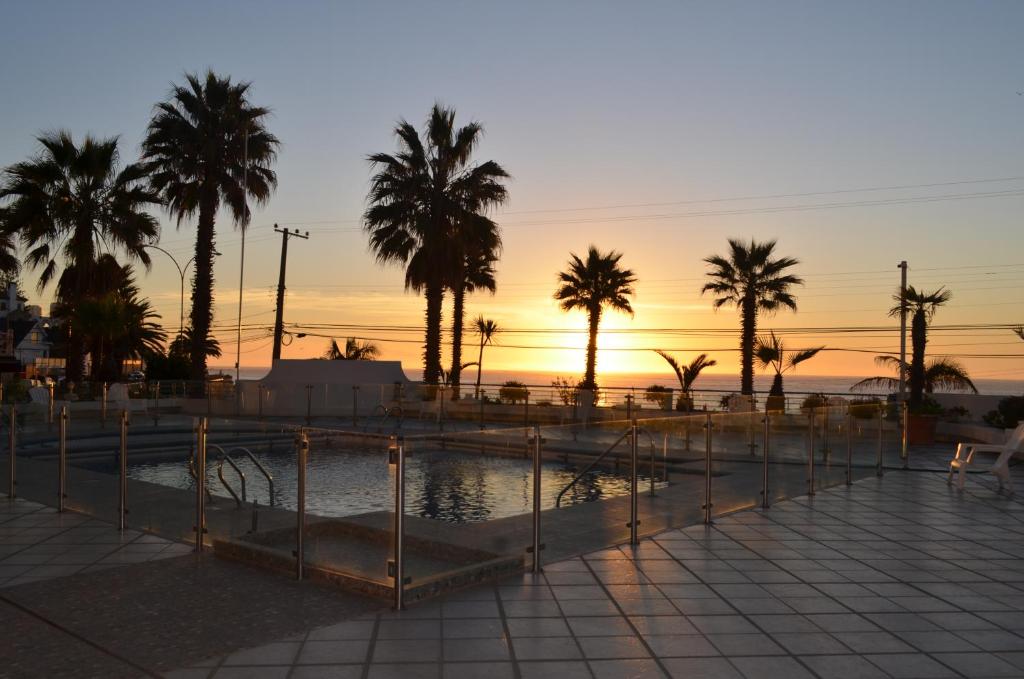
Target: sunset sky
[[857, 134]]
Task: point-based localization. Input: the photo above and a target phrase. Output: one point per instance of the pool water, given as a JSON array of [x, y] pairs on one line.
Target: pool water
[[444, 485]]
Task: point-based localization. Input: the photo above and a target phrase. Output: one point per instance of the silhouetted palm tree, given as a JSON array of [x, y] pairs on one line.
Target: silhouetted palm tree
[[771, 353], [921, 306], [485, 329], [476, 274], [941, 374], [427, 206], [354, 351], [1020, 332], [687, 375], [10, 265], [590, 286], [202, 145], [69, 204], [754, 282]]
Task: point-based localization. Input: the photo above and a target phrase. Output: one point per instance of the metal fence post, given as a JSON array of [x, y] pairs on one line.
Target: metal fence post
[[827, 453], [156, 406], [202, 429], [122, 493], [849, 446], [49, 407], [302, 450], [810, 453], [879, 471], [765, 501], [536, 547], [634, 464], [707, 468], [103, 403], [483, 397], [62, 458], [653, 470], [397, 566], [355, 405], [12, 442], [905, 426]]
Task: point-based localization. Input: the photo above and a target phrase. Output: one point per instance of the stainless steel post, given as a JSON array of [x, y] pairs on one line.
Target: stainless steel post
[[49, 407], [765, 501], [122, 494], [12, 442], [103, 403], [879, 471], [810, 454], [526, 409], [398, 565], [905, 426], [629, 406], [634, 464], [707, 468], [536, 547], [653, 470], [826, 453], [302, 455], [202, 429], [355, 405], [849, 446], [664, 458], [62, 458], [482, 396]]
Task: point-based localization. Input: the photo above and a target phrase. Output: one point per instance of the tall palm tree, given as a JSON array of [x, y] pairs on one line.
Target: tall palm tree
[[590, 286], [771, 353], [753, 281], [940, 374], [354, 351], [10, 265], [921, 306], [485, 329], [687, 375], [427, 205], [476, 274], [70, 203], [208, 146]]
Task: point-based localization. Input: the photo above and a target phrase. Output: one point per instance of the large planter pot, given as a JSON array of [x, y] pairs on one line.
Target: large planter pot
[[775, 404], [921, 429]]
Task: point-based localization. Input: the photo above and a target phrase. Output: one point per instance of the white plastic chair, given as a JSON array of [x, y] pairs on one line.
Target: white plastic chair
[[965, 453]]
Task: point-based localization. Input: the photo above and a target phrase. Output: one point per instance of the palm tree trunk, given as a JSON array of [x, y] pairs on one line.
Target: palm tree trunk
[[75, 362], [918, 342], [432, 340], [479, 366], [458, 309], [589, 377], [202, 286], [748, 313]]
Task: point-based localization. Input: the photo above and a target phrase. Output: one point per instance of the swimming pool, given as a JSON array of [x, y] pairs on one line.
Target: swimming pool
[[449, 486]]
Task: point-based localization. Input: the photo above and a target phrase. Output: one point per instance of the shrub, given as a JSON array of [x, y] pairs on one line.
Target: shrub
[[513, 392], [660, 395], [865, 408], [813, 401], [1009, 414]]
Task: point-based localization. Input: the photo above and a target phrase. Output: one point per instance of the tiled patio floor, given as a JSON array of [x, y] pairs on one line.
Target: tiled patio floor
[[901, 577]]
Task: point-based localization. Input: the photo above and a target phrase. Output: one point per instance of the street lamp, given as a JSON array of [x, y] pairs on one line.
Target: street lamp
[[181, 272]]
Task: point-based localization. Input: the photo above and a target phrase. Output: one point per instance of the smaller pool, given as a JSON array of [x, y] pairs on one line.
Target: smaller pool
[[449, 486]]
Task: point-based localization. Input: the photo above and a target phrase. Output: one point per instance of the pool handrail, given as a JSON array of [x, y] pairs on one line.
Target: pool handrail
[[262, 469], [224, 457], [586, 470]]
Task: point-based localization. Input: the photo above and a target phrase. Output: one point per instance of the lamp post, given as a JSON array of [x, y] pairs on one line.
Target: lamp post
[[182, 270]]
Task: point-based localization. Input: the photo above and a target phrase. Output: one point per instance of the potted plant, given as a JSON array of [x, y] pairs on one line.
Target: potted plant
[[770, 352], [686, 375]]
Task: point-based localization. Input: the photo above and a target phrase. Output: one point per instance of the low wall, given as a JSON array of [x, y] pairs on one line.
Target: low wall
[[977, 405]]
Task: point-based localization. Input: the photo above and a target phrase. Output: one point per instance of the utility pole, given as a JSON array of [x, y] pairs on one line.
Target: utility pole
[[279, 321], [903, 330]]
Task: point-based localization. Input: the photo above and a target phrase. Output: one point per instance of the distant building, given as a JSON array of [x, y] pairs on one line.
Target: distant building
[[25, 335]]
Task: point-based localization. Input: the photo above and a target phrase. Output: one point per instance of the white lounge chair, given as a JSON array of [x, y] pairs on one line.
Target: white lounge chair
[[965, 453]]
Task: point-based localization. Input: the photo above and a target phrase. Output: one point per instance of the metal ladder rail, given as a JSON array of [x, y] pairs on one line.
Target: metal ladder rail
[[586, 470], [224, 457], [195, 476], [262, 469]]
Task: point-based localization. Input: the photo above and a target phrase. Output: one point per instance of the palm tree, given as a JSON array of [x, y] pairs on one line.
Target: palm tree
[[1019, 331], [427, 206], [70, 203], [754, 282], [921, 306], [476, 274], [686, 375], [9, 262], [207, 146], [485, 329], [590, 286], [941, 374], [771, 353], [354, 351]]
